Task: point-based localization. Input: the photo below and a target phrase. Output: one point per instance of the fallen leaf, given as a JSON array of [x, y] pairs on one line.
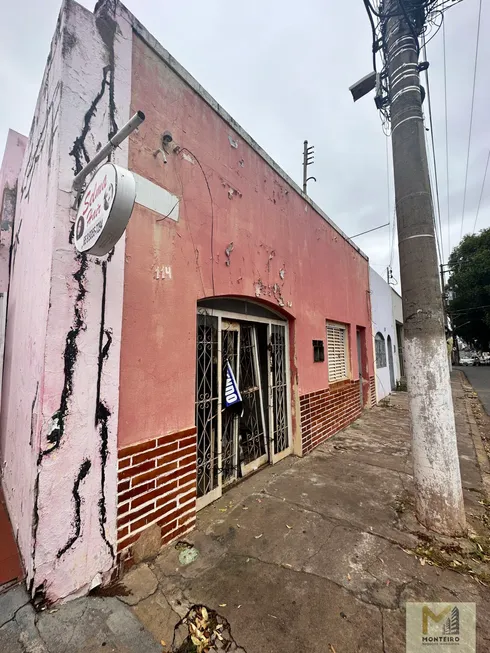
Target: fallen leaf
[[204, 613], [244, 507], [259, 500], [258, 536], [222, 605], [239, 606], [222, 509], [195, 640], [163, 643], [286, 565], [273, 616], [348, 577], [332, 649], [248, 559], [288, 526], [422, 561]]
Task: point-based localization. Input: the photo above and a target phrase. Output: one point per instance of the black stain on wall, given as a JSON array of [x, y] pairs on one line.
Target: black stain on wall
[[102, 412], [77, 499]]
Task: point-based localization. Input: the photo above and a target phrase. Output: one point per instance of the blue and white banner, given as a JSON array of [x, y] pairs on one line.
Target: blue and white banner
[[232, 393]]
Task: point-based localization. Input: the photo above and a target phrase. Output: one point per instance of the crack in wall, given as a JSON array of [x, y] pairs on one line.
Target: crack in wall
[[52, 108], [70, 355], [32, 414], [102, 412], [78, 149], [77, 522]]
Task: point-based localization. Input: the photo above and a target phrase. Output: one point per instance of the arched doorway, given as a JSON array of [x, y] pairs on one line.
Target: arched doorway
[[390, 362], [243, 354]]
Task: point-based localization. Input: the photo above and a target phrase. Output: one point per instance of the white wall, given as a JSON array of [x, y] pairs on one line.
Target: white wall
[[384, 323]]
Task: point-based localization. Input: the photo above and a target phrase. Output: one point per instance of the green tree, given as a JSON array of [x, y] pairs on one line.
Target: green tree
[[469, 283]]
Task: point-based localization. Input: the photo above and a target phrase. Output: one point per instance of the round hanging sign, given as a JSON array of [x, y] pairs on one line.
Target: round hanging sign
[[105, 209]]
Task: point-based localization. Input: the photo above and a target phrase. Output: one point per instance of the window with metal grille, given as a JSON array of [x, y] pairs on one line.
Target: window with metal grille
[[379, 344], [338, 367], [318, 351]]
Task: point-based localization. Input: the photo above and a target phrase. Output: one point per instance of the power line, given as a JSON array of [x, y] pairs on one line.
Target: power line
[[447, 140], [388, 191], [393, 231], [369, 230], [471, 115], [436, 180], [472, 308], [481, 192]]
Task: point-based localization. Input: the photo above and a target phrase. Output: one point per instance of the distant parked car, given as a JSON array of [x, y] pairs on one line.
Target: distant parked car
[[466, 361]]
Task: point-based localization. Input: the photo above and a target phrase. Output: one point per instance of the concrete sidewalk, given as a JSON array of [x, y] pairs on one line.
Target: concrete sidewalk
[[317, 554]]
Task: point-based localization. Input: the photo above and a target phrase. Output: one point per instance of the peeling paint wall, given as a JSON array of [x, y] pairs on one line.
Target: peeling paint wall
[[9, 174], [242, 231], [384, 323], [64, 327], [28, 305]]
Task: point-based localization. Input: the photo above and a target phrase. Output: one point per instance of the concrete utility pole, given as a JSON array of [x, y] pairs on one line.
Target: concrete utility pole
[[438, 490]]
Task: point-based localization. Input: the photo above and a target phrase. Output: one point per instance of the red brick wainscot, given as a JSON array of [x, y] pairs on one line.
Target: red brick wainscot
[[372, 390], [156, 485], [325, 412]]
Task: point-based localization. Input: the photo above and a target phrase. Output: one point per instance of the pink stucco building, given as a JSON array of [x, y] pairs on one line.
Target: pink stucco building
[[114, 426]]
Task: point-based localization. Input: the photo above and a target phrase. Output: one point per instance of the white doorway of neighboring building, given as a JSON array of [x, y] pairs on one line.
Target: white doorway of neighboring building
[[389, 346]]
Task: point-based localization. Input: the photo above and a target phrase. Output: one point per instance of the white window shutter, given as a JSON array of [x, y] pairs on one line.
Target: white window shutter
[[337, 352]]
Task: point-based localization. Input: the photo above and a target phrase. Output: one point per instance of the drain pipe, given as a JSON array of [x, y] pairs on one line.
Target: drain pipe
[[102, 154]]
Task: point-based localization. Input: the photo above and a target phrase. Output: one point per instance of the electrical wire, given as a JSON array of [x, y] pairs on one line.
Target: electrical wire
[[471, 115], [447, 139], [436, 179], [388, 191], [185, 149], [393, 231], [481, 192], [373, 29]]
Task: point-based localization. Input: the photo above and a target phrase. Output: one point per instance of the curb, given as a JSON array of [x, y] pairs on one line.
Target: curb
[[481, 454]]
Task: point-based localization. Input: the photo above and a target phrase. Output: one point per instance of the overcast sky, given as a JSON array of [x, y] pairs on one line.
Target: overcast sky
[[282, 69]]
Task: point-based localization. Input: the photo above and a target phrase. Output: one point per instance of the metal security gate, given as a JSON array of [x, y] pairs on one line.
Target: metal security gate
[[253, 437], [232, 445], [208, 402], [278, 393]]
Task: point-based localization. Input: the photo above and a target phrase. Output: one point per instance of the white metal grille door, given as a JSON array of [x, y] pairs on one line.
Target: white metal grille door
[[337, 352], [278, 392], [207, 405], [234, 441], [253, 442], [230, 335]]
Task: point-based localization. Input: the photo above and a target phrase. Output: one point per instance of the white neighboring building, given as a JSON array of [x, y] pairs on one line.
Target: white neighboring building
[[398, 317], [385, 315]]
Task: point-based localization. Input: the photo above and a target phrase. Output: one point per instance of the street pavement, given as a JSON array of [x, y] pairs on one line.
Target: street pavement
[[479, 377], [318, 554]]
